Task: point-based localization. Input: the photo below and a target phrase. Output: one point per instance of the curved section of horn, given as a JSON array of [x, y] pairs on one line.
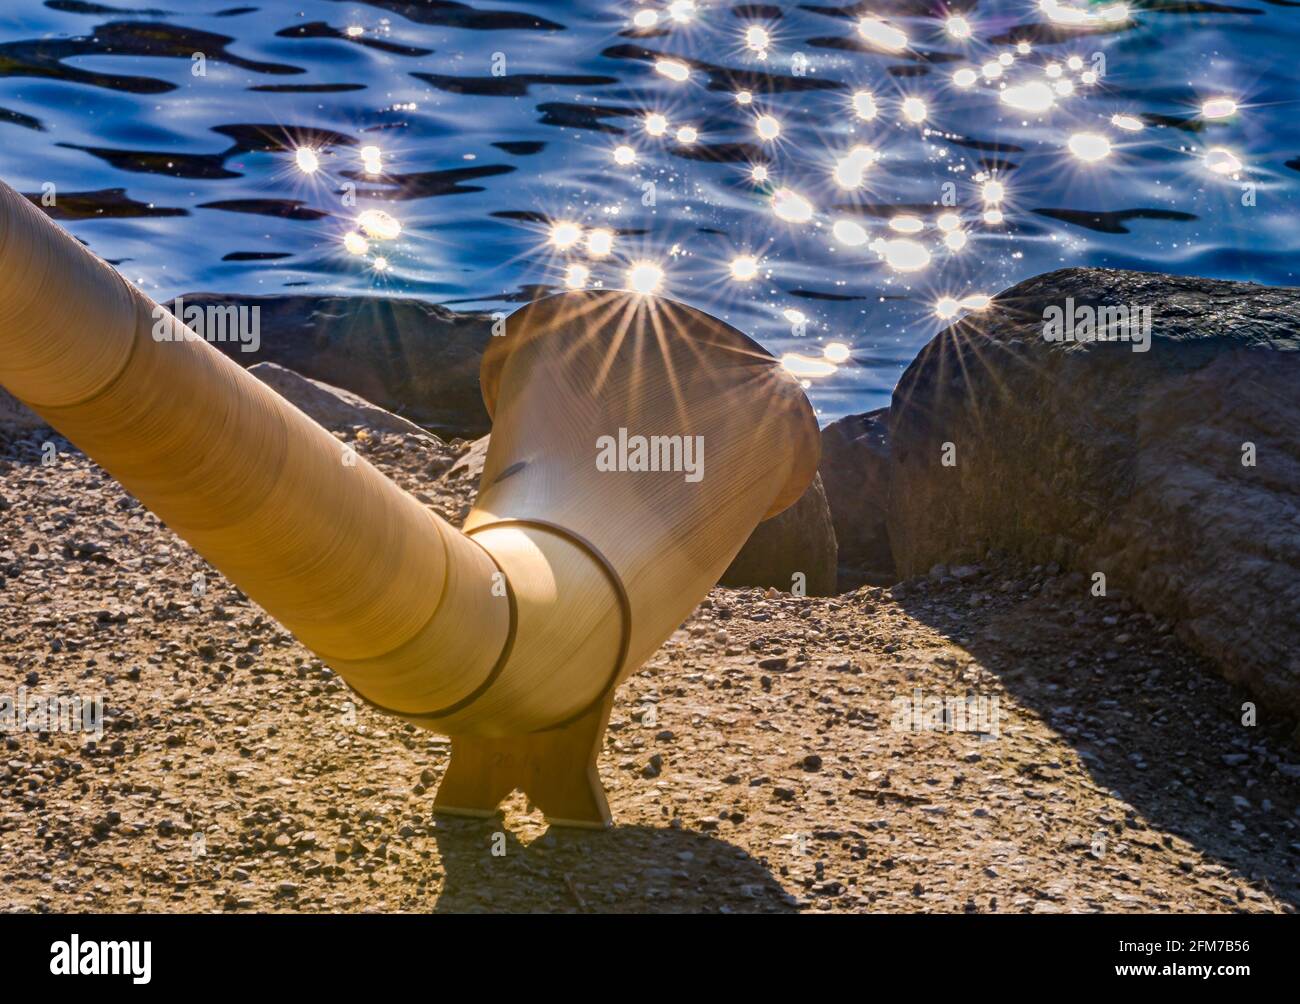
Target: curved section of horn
[[636, 442]]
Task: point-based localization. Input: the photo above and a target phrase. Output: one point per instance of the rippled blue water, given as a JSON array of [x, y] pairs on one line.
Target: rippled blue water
[[499, 118]]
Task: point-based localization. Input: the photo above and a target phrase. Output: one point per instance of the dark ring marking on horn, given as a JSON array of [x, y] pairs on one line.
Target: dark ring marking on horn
[[416, 717], [624, 603], [624, 644]]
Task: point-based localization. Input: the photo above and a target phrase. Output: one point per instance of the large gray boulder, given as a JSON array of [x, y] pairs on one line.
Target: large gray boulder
[[409, 357], [16, 416], [854, 470], [334, 408], [1174, 471], [799, 540]]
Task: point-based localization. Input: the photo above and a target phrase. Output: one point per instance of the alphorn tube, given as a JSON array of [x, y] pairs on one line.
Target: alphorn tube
[[636, 442], [357, 569]]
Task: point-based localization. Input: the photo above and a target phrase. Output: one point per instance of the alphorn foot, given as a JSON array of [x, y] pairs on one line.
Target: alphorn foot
[[556, 769]]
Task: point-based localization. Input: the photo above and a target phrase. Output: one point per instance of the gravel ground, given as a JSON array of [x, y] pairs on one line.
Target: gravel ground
[[756, 764]]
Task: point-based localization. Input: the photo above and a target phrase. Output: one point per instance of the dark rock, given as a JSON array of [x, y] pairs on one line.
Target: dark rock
[[468, 467], [1103, 459], [854, 470], [800, 539], [333, 407], [16, 416], [412, 358]]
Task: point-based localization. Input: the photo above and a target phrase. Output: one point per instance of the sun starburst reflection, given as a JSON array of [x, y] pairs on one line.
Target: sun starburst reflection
[[830, 192]]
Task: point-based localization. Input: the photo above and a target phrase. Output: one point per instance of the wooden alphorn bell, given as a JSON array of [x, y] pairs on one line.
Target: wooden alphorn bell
[[636, 442]]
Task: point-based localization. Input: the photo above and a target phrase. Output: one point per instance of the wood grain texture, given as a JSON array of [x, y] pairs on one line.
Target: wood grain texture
[[510, 637], [578, 366], [352, 565]]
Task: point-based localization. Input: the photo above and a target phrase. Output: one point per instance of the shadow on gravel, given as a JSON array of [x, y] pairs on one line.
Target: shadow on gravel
[[1150, 719], [627, 869]]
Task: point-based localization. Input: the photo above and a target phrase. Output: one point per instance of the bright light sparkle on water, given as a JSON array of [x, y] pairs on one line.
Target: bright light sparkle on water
[[681, 10], [804, 366], [600, 242], [850, 233], [864, 105], [1221, 160], [905, 255], [644, 277], [767, 127], [790, 206], [565, 234], [744, 268], [1218, 108], [882, 35], [850, 168], [307, 160], [576, 275], [1089, 147], [379, 225], [673, 69], [1034, 96]]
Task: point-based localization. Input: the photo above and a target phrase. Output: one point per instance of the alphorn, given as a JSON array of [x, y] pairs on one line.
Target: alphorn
[[581, 555]]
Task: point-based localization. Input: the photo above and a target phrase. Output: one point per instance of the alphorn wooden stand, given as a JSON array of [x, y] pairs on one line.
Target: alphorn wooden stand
[[555, 769]]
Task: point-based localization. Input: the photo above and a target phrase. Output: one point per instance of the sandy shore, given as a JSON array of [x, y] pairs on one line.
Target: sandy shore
[[753, 765]]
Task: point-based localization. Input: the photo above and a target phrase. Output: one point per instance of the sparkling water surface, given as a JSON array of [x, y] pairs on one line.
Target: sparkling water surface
[[837, 181]]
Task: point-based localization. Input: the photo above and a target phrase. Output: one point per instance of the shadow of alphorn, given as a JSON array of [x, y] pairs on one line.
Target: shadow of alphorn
[[636, 443]]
